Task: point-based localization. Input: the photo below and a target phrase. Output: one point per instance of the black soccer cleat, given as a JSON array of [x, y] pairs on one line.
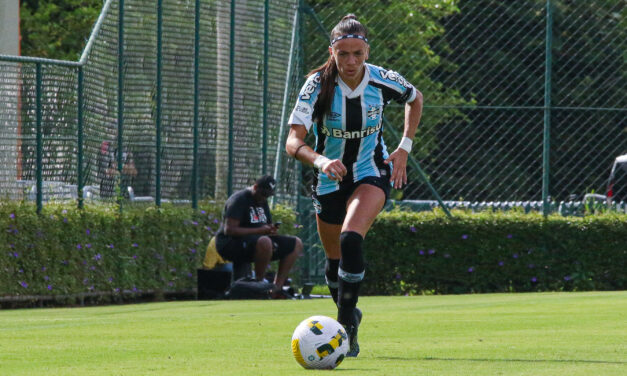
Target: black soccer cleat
[[351, 330]]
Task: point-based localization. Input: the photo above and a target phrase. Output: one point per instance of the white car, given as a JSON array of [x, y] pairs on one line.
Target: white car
[[616, 184]]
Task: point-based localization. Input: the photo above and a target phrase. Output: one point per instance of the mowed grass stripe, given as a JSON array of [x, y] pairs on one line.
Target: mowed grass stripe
[[491, 334]]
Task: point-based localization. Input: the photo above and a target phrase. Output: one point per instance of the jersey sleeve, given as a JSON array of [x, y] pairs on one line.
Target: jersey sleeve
[[304, 108], [394, 86]]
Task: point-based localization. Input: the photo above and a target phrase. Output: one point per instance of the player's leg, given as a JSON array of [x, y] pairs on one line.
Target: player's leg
[[362, 208], [330, 238], [289, 249], [330, 213], [240, 250], [263, 255]]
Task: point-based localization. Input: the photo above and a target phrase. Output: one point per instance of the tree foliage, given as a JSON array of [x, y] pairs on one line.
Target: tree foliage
[[57, 29]]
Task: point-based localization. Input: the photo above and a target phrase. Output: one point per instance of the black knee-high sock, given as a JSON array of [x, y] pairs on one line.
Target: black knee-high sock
[[350, 273], [330, 273]]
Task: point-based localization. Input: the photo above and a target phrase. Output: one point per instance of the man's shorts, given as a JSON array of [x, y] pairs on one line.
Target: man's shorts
[[242, 249], [331, 207]]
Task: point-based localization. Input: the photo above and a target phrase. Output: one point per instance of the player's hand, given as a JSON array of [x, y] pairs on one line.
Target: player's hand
[[268, 229], [399, 172], [334, 169]]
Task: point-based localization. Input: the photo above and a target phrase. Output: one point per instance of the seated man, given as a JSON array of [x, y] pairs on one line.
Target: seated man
[[247, 233]]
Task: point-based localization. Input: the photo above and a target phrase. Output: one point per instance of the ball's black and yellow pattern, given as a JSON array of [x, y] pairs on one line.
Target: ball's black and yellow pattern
[[319, 342]]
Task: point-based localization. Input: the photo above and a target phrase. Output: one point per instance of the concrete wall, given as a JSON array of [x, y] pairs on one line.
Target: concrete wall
[[9, 86], [9, 27]]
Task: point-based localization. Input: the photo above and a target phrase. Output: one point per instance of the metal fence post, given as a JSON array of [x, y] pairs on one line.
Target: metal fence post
[[266, 31], [79, 163], [290, 62], [231, 97], [38, 173], [301, 207], [120, 90], [158, 104], [547, 109], [196, 73]]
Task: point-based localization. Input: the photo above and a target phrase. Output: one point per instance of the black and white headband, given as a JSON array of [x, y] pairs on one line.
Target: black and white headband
[[356, 36]]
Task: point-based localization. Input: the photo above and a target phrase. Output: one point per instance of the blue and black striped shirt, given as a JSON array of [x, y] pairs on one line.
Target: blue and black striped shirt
[[352, 131]]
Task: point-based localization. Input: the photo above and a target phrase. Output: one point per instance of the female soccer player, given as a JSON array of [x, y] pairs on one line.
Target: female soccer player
[[344, 100]]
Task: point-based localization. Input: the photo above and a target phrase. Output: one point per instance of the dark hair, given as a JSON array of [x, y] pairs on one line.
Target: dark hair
[[328, 70]]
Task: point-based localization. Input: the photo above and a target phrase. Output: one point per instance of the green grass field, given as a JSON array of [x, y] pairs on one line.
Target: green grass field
[[492, 334]]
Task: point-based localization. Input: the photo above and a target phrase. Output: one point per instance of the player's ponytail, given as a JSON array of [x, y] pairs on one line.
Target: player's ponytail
[[328, 71], [328, 74]]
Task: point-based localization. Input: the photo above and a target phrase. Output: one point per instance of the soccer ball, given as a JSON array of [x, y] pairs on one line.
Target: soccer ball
[[319, 342]]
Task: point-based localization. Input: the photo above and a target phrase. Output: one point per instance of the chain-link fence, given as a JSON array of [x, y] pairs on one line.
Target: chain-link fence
[[178, 100], [497, 124], [524, 100], [481, 66]]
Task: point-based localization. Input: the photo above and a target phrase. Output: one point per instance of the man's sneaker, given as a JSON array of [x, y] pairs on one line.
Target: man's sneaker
[[280, 293], [351, 330]]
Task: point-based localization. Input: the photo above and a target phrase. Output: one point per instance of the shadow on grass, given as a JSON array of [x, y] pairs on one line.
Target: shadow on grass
[[505, 360]]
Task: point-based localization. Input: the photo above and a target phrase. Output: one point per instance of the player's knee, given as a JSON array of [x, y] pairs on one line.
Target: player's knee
[[298, 247], [264, 247], [352, 263], [296, 251]]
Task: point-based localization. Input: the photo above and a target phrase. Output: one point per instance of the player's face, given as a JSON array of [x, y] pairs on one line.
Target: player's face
[[350, 55]]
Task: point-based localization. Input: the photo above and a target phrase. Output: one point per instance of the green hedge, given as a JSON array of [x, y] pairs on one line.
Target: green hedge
[[410, 253], [66, 251], [100, 249]]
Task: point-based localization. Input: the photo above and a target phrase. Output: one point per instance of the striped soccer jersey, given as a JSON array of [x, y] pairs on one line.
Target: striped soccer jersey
[[352, 130]]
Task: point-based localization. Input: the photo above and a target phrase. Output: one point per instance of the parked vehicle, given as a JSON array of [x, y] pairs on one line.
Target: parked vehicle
[[617, 183], [616, 191]]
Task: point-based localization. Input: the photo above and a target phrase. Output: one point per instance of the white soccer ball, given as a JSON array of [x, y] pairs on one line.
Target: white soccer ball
[[319, 342]]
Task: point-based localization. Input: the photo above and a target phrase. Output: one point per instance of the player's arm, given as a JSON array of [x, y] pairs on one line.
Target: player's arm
[[232, 228], [298, 149], [413, 113]]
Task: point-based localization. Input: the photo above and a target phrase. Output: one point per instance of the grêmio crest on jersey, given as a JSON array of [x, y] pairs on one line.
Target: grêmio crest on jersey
[[374, 111]]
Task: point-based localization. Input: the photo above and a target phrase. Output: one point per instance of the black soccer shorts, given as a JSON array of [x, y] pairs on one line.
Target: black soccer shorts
[[242, 249], [331, 208]]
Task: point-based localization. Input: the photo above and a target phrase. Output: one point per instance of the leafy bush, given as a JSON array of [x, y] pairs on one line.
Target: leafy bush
[[65, 250], [410, 253]]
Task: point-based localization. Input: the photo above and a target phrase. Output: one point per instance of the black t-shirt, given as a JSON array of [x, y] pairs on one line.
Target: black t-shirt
[[242, 205]]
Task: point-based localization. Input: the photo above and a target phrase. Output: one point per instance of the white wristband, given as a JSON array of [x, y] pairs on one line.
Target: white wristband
[[406, 144], [320, 161]]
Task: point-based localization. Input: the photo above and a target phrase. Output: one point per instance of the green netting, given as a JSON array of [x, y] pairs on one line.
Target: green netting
[[481, 67], [19, 114], [177, 93], [11, 82]]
